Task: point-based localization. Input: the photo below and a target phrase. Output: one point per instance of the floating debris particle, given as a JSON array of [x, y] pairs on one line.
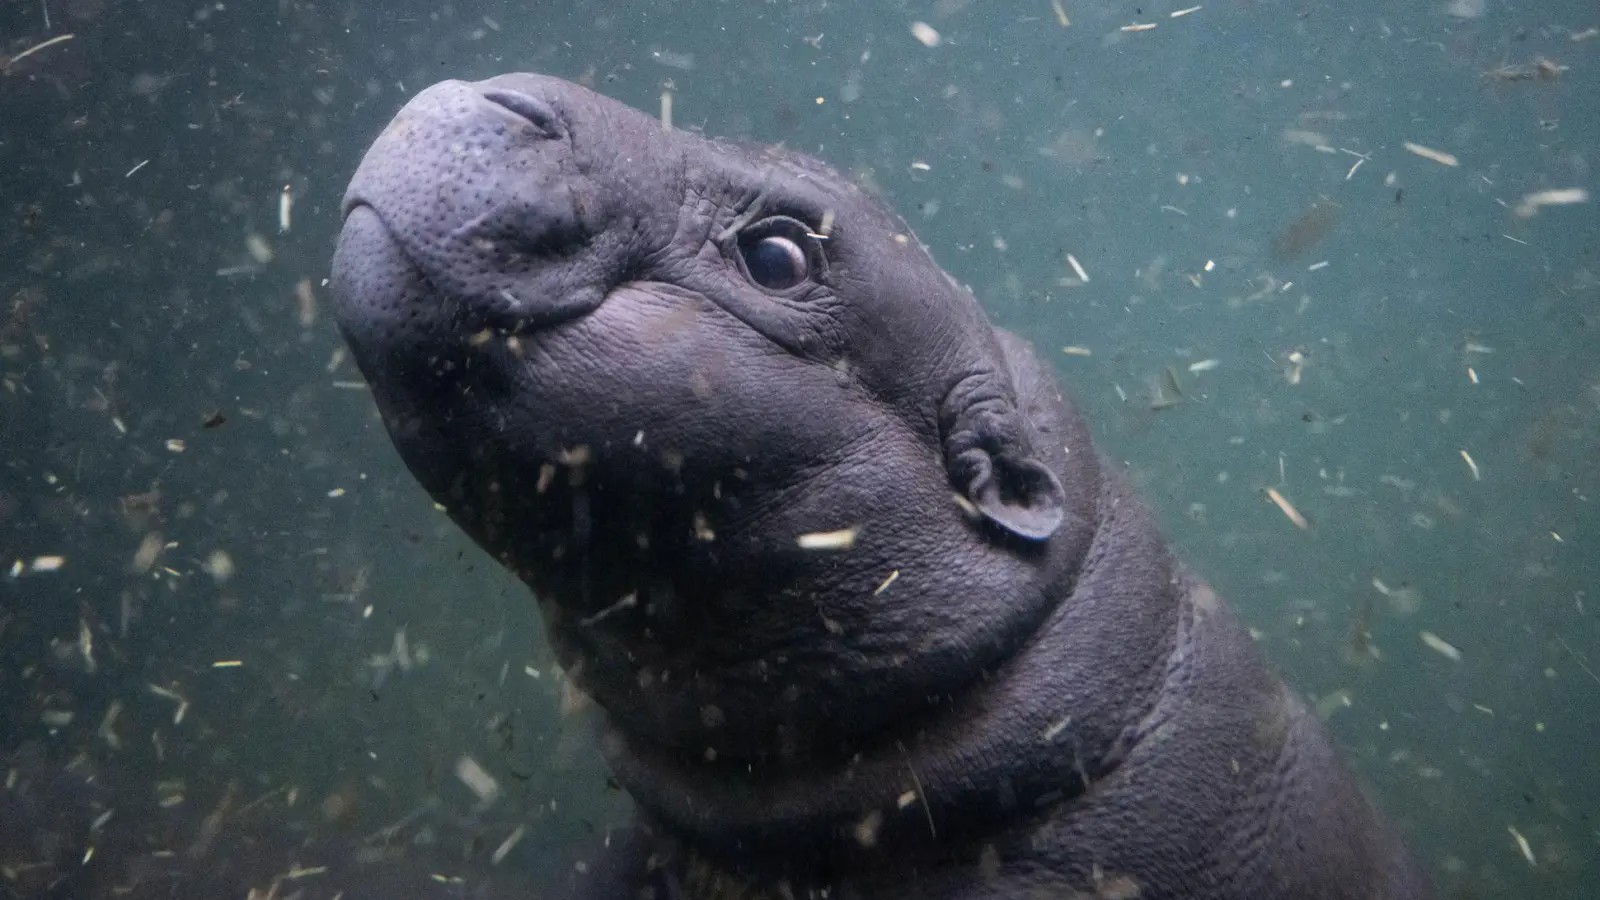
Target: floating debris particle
[[400, 650], [1077, 268], [307, 303], [1473, 466], [1165, 390], [1204, 365], [843, 539], [1441, 646], [866, 830], [1523, 845], [1541, 69], [1061, 13], [1306, 231], [682, 61], [183, 704], [1138, 26], [1054, 729], [1297, 366], [86, 645], [170, 793], [1287, 509], [259, 249], [505, 846], [47, 563], [285, 205], [1180, 13], [477, 780], [1530, 204], [60, 38], [884, 585], [149, 549], [107, 732], [1172, 382], [1075, 350], [219, 565], [925, 33], [1334, 702], [1404, 600], [1160, 401], [227, 664], [1304, 137], [1573, 653], [176, 445], [1359, 648], [628, 601], [1438, 156], [666, 110]]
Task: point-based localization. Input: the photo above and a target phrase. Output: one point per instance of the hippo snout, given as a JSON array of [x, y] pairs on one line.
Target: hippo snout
[[476, 188]]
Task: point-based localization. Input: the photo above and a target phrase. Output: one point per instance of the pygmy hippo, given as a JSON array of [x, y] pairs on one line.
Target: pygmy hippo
[[866, 614]]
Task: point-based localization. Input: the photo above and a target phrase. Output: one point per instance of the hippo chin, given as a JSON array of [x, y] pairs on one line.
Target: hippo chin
[[867, 615]]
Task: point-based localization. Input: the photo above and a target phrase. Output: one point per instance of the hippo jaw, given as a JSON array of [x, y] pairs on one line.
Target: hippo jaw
[[767, 517]]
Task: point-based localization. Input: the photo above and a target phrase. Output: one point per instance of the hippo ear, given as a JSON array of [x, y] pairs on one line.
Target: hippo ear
[[990, 461], [1016, 492]]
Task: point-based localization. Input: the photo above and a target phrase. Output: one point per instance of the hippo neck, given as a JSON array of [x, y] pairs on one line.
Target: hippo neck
[[1063, 712]]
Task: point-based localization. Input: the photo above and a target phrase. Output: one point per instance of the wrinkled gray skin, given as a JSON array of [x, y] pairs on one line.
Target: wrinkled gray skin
[[1004, 687]]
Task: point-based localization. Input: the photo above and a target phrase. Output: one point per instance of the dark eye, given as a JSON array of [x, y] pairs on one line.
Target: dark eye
[[775, 261]]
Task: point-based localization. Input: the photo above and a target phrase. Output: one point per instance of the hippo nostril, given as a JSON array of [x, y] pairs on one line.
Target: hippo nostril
[[538, 112]]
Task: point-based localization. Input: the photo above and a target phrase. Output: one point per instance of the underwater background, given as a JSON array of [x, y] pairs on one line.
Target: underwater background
[[1324, 277]]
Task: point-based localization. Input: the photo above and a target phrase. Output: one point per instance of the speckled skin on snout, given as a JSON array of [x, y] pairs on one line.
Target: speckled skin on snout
[[867, 615]]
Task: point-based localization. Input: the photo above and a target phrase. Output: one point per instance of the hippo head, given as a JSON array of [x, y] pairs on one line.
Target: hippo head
[[763, 463]]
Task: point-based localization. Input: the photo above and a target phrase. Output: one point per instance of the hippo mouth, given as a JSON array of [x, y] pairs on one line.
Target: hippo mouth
[[503, 309]]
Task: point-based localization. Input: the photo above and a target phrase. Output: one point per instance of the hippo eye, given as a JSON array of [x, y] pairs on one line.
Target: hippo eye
[[775, 262], [777, 254]]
